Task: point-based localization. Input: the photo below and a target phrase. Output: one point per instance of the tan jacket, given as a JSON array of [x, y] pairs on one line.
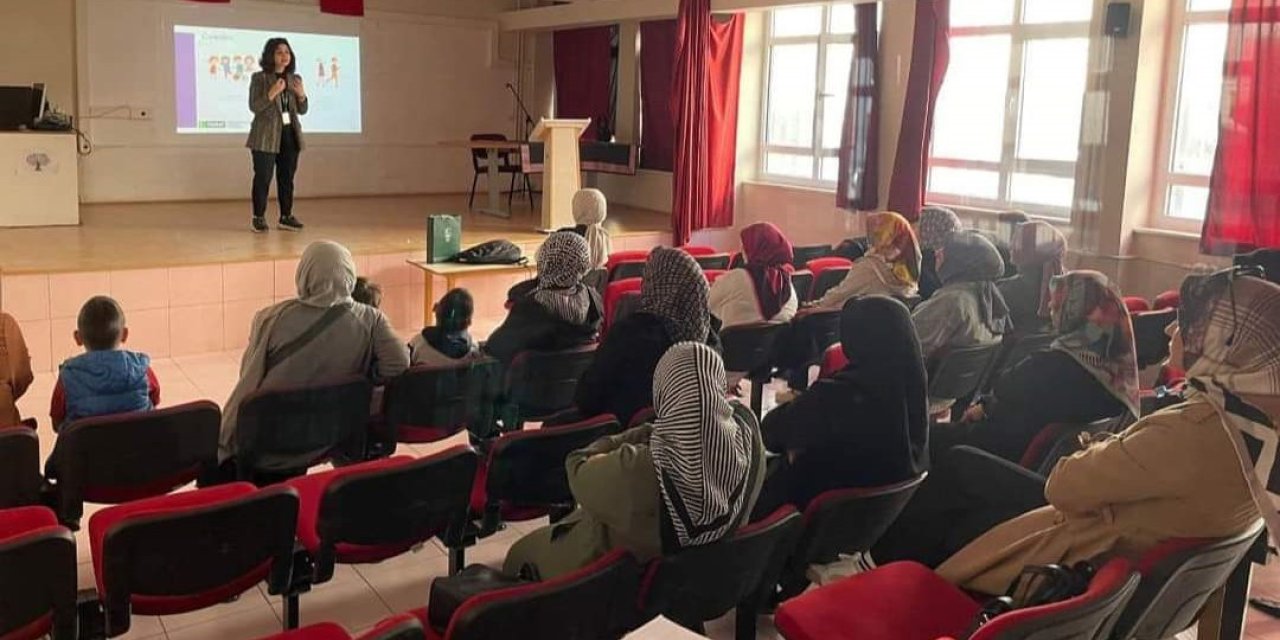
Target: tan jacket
[[869, 276], [1172, 475], [268, 123], [15, 370]]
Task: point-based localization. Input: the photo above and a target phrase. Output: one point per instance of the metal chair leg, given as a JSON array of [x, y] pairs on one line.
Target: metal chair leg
[[757, 398], [471, 201], [511, 191], [528, 187], [457, 560], [292, 615]]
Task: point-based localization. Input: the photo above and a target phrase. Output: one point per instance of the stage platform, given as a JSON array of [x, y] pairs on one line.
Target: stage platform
[[191, 275]]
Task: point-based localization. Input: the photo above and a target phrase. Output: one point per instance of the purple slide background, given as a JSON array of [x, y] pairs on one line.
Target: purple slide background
[[184, 80]]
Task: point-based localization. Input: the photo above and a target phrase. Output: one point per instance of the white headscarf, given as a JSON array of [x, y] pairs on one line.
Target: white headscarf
[[590, 210], [704, 457]]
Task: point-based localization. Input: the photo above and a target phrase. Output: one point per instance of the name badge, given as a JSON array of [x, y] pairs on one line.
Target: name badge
[[284, 117]]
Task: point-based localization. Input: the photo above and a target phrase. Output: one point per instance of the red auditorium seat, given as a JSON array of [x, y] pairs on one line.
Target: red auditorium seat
[[20, 478], [429, 403], [613, 295], [1167, 300], [37, 576], [1136, 304], [540, 384]]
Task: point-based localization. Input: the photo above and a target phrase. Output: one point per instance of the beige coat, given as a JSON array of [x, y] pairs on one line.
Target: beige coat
[[1172, 475], [15, 370]]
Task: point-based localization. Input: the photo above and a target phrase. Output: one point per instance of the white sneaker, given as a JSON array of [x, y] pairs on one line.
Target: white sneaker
[[847, 565]]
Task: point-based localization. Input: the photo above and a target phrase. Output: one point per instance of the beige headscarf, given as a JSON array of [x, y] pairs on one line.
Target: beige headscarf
[[589, 211], [325, 277]]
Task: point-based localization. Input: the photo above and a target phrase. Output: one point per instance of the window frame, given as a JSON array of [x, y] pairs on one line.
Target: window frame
[[1181, 18], [1020, 34], [815, 151]]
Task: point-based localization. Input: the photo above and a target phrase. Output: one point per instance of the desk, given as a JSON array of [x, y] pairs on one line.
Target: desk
[[452, 272], [40, 179]]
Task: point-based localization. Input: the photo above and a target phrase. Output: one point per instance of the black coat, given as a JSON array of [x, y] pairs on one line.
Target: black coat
[[530, 326]]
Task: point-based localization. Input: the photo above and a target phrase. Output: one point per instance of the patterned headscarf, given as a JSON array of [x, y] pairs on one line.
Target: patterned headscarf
[[1039, 245], [675, 290], [703, 456], [969, 260], [1231, 342], [562, 262], [769, 255], [326, 275], [893, 240], [1094, 328], [936, 226], [589, 211]]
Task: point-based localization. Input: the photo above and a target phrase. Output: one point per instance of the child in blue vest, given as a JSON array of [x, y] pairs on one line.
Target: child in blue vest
[[106, 379]]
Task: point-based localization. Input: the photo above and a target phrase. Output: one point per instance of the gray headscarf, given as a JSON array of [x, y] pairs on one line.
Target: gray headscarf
[[589, 211], [702, 454], [971, 262], [936, 226], [562, 262], [326, 275], [675, 290]]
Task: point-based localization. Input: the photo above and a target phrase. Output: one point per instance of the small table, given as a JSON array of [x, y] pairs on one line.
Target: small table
[[493, 149], [452, 272]]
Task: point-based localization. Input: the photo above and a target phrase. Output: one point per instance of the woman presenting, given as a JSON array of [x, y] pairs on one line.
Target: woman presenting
[[277, 98]]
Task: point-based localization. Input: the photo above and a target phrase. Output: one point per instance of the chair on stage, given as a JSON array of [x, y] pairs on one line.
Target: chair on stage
[[508, 163]]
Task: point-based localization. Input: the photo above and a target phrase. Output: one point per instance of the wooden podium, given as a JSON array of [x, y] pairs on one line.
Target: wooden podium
[[563, 174]]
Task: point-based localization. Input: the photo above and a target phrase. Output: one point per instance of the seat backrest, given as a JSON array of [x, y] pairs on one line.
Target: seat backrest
[[1136, 304], [625, 270], [826, 280], [542, 383], [960, 371], [115, 459], [802, 282], [405, 626], [1089, 616], [19, 467], [822, 326], [1170, 299], [1178, 577], [526, 468], [713, 261], [1057, 441], [443, 400], [698, 250], [290, 430], [192, 550], [37, 576], [703, 583], [849, 521], [749, 348], [1149, 338], [801, 255], [394, 501], [479, 157], [594, 602], [613, 295]]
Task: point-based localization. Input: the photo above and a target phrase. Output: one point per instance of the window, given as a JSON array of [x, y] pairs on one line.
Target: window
[[1007, 128], [810, 54], [1191, 104]]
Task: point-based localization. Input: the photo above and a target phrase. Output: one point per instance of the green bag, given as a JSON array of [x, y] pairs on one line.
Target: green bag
[[444, 237]]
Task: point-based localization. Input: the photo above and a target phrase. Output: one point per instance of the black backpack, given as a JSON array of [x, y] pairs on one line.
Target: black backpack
[[492, 252]]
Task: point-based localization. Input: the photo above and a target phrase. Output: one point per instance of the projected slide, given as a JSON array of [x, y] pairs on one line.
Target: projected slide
[[212, 67]]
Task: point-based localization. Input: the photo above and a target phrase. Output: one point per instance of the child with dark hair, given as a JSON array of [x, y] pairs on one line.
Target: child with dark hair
[[367, 292], [105, 379], [449, 339]]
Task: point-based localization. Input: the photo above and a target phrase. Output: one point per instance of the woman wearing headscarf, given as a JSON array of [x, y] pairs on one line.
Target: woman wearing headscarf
[[1038, 250], [1184, 472], [867, 426], [673, 308], [321, 335], [891, 267], [590, 208], [1089, 373], [936, 226], [688, 479], [760, 291], [557, 311], [15, 370]]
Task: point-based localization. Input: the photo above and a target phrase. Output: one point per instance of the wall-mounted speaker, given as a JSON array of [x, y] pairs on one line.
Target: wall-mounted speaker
[[1117, 23]]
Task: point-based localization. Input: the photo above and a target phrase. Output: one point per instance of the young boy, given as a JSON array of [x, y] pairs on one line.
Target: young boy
[[448, 340], [106, 379], [367, 292]]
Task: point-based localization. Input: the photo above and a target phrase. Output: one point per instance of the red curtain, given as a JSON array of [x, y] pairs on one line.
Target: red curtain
[[658, 129], [704, 105], [930, 54], [1244, 190], [858, 187], [343, 7], [584, 76]]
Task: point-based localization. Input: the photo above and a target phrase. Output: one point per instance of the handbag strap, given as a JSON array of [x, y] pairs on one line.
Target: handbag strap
[[289, 349]]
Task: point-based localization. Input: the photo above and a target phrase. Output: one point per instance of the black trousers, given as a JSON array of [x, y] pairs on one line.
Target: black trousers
[[284, 165]]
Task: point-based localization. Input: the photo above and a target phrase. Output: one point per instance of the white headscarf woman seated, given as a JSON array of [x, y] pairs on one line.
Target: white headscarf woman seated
[[589, 212], [688, 479], [354, 338]]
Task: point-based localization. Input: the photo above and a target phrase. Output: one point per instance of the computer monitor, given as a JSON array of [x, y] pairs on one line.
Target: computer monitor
[[16, 107]]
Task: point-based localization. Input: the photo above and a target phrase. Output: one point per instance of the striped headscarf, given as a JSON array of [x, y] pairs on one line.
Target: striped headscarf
[[676, 291], [702, 454], [893, 239], [562, 262], [1039, 245], [1094, 328], [1231, 341], [936, 226]]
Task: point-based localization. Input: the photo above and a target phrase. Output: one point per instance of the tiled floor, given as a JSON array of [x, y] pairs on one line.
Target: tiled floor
[[360, 596]]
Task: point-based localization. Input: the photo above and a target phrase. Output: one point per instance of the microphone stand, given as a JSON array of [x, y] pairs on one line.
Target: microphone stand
[[528, 118]]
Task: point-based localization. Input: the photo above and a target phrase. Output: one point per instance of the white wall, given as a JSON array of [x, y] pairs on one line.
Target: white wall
[[37, 44], [427, 79]]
